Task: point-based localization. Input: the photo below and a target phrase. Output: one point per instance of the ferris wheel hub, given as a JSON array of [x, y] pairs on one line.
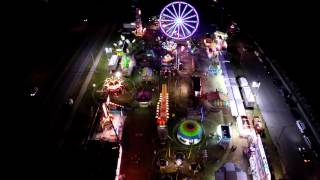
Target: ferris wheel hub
[[179, 20]]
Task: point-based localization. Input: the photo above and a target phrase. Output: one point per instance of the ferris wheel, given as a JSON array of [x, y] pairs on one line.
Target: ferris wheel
[[179, 20]]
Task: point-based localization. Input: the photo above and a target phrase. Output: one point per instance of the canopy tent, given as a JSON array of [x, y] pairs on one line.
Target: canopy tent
[[217, 99]]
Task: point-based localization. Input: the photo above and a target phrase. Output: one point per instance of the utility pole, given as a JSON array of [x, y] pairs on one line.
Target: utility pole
[[92, 58]]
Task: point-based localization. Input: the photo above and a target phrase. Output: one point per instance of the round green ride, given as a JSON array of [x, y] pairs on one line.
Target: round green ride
[[189, 132]]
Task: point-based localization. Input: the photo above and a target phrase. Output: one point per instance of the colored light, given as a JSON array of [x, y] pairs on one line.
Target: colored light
[[118, 74], [179, 20], [190, 129]]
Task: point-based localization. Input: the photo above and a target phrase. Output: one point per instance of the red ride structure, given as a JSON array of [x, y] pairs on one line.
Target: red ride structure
[[162, 115]]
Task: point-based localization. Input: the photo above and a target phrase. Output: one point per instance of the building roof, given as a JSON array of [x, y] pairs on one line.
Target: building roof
[[230, 171]]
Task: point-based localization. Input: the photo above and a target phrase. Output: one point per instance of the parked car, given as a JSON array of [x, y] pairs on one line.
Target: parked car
[[306, 156], [307, 141], [301, 126], [242, 81]]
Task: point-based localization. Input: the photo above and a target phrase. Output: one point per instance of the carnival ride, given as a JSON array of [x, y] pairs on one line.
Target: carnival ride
[[163, 107], [189, 132], [179, 20], [111, 122], [113, 84]]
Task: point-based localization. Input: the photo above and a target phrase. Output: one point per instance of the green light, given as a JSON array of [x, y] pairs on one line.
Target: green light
[[125, 62], [190, 128]]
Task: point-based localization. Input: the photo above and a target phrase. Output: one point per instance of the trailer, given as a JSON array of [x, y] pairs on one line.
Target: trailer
[[248, 97]]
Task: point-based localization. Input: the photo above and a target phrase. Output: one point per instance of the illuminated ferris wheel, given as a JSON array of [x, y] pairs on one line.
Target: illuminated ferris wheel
[[179, 20]]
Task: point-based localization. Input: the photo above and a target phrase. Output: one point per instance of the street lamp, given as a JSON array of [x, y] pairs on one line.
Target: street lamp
[[118, 74]]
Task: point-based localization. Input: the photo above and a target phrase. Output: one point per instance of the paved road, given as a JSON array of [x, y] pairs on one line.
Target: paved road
[[138, 144], [279, 119], [70, 81]]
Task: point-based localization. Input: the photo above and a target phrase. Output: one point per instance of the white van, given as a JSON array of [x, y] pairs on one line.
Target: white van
[[301, 126], [248, 97], [243, 82], [307, 141]]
